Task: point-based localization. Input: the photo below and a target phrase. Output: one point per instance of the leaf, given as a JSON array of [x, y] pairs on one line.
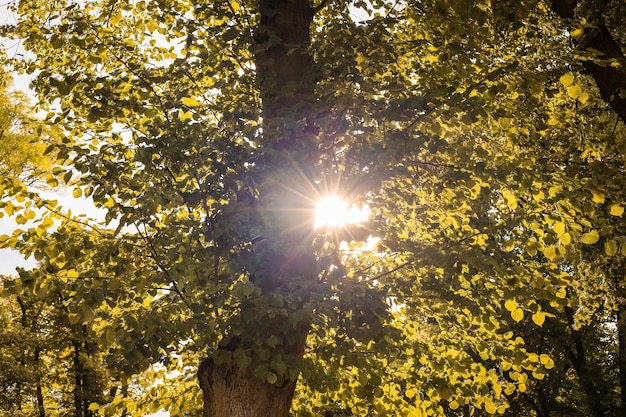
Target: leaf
[[517, 315], [184, 115], [610, 247], [577, 33], [616, 210], [559, 228], [590, 238], [574, 91], [539, 318], [510, 305], [597, 197], [550, 252], [191, 101], [546, 361], [115, 18], [565, 239], [567, 79], [271, 378], [490, 407]]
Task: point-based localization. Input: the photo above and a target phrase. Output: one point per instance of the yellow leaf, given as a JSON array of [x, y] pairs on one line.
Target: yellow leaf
[[509, 199], [559, 228], [610, 247], [577, 33], [546, 361], [583, 97], [597, 197], [490, 407], [184, 115], [510, 305], [454, 405], [590, 238], [561, 293], [565, 238], [517, 315], [77, 192], [539, 318], [115, 19], [191, 101], [567, 79], [235, 6], [432, 58], [410, 393], [616, 210], [550, 252], [509, 389], [574, 91]]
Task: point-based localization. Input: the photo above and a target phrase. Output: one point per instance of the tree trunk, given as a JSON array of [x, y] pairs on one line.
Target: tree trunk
[[621, 331], [611, 80], [578, 359], [286, 80], [40, 403], [233, 392]]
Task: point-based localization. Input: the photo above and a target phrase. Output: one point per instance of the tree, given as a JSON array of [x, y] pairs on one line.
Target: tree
[[207, 130], [22, 137]]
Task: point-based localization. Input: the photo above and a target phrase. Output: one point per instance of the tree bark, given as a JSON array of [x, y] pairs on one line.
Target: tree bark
[[40, 402], [611, 81], [578, 359], [621, 332], [230, 391], [286, 81]]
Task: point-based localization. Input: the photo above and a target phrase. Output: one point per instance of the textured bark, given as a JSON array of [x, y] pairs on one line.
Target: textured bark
[[232, 392], [611, 81]]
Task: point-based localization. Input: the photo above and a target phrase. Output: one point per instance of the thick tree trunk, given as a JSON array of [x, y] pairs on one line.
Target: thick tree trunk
[[286, 80], [611, 80], [230, 391]]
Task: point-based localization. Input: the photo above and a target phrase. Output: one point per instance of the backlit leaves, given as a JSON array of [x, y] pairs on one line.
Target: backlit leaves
[[590, 238]]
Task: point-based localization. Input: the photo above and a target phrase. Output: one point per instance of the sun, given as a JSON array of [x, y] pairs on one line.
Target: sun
[[331, 212], [334, 212]]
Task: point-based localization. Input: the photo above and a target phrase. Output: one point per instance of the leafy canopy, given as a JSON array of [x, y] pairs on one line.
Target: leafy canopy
[[484, 156]]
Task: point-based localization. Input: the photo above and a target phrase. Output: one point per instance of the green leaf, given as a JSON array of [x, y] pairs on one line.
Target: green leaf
[[271, 378]]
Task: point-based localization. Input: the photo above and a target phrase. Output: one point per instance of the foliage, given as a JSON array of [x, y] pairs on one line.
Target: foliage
[[492, 166]]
